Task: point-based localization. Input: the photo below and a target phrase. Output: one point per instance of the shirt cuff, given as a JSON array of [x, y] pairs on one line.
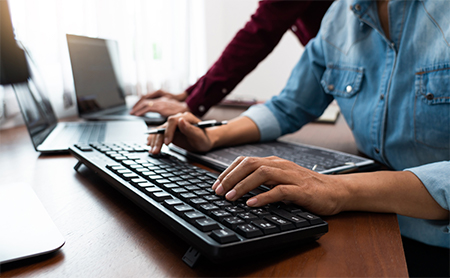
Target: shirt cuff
[[269, 128], [435, 177]]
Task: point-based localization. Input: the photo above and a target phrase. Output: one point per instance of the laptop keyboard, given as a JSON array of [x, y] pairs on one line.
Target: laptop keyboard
[[86, 132], [179, 195]]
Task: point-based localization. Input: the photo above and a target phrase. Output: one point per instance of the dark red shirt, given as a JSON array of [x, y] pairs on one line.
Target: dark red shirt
[[252, 44]]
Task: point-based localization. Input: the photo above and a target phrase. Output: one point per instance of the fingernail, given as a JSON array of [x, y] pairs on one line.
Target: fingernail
[[219, 190], [230, 195], [252, 202], [150, 149], [216, 183]]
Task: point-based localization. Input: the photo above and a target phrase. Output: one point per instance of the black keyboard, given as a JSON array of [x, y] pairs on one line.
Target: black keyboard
[[179, 195]]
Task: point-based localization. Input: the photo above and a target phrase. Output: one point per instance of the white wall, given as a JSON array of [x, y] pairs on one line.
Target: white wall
[[223, 19]]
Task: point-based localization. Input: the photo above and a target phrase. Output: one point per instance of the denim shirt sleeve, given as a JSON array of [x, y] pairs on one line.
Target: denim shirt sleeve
[[434, 177], [302, 100]]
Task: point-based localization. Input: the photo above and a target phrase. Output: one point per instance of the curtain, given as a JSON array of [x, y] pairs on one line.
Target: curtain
[[161, 42]]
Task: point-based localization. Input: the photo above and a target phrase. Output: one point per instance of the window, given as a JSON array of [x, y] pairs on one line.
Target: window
[[161, 42]]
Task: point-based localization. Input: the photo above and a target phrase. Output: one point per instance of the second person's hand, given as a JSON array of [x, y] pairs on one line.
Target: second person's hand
[[162, 102], [181, 132], [163, 105]]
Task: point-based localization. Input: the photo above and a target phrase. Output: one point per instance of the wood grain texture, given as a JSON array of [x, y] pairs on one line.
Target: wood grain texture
[[108, 236]]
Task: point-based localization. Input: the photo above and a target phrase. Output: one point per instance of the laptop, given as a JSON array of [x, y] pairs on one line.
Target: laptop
[[50, 136], [27, 229], [321, 160], [98, 82]]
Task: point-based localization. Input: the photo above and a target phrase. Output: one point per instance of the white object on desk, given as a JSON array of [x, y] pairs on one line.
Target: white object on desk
[[26, 228]]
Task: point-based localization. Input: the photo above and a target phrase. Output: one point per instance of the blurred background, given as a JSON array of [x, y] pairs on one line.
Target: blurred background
[[164, 44]]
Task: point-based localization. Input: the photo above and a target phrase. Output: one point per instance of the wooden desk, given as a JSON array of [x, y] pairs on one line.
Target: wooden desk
[[108, 236]]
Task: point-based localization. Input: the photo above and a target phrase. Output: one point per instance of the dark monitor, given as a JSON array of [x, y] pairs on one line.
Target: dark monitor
[[13, 65]]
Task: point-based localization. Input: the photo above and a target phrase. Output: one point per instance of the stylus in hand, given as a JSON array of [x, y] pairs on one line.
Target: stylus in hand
[[204, 124]]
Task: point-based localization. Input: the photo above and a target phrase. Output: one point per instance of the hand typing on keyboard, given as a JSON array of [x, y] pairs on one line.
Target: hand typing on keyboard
[[384, 191], [288, 181]]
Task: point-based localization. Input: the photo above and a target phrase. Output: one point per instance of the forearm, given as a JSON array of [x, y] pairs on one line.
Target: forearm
[[238, 131], [399, 192]]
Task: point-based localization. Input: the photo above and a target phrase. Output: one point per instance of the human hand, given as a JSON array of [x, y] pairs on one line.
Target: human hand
[[318, 193], [181, 132], [161, 102], [161, 93]]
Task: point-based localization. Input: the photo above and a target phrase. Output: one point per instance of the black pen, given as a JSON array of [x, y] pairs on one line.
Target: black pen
[[204, 124]]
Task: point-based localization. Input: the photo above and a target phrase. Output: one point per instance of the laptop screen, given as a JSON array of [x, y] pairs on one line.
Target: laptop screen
[[35, 106], [95, 73]]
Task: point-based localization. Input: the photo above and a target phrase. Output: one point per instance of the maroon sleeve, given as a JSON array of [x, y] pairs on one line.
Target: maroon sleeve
[[252, 44]]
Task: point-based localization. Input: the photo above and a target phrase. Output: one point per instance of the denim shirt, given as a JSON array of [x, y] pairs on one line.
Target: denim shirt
[[394, 93]]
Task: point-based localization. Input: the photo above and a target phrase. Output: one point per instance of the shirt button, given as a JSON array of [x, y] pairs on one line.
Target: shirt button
[[201, 108], [382, 97], [429, 96], [330, 87], [357, 7], [224, 90], [348, 88], [377, 150], [294, 28]]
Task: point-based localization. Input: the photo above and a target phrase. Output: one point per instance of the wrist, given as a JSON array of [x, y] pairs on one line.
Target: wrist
[[181, 96]]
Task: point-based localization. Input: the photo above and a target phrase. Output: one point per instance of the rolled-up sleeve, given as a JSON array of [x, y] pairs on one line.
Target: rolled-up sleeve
[[266, 122], [435, 177]]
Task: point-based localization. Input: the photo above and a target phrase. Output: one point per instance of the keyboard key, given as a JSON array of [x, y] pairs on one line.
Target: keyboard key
[[224, 236], [211, 198], [145, 184], [281, 223], [130, 176], [162, 181], [206, 224], [192, 187], [234, 210], [249, 231], [208, 208], [267, 227], [179, 190], [197, 202], [187, 196], [222, 203], [181, 209], [152, 189], [219, 215], [137, 180], [160, 196], [191, 216], [297, 220], [169, 203], [247, 216], [124, 171], [259, 212], [314, 220], [232, 222]]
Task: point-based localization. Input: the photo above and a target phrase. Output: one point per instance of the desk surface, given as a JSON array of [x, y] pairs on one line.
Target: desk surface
[[108, 236]]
